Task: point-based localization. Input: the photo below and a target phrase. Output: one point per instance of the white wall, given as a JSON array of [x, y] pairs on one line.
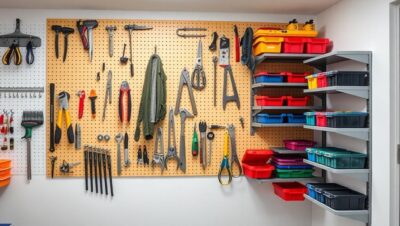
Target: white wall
[[364, 25], [145, 201]]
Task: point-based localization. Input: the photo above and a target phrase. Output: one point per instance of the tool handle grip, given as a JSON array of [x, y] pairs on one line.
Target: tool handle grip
[[56, 44], [28, 160], [52, 93], [226, 144], [86, 170], [195, 146], [93, 106], [132, 70]]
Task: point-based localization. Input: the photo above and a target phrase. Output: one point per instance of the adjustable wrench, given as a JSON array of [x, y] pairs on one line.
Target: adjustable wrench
[[182, 146], [118, 138]]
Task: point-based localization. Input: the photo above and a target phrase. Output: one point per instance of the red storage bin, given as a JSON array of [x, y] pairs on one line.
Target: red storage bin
[[322, 80], [270, 101], [290, 191], [298, 145], [297, 101], [296, 77], [316, 45], [321, 119], [255, 164], [293, 45]]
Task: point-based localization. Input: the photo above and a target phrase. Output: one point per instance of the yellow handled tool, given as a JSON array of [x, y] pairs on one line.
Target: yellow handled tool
[[63, 99], [225, 163]]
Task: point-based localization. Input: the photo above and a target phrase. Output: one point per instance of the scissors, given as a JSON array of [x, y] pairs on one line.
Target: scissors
[[225, 163], [198, 75]]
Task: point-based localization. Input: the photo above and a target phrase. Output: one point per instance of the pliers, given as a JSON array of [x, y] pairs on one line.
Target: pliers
[[12, 52], [124, 91], [225, 163], [234, 156], [63, 99]]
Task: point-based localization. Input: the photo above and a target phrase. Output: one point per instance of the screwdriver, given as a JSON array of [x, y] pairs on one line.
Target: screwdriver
[[195, 142]]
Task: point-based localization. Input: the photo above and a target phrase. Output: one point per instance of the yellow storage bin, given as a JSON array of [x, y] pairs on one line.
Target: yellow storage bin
[[267, 45], [312, 82]]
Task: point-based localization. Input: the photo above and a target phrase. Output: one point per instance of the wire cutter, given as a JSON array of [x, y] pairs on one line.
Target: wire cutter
[[225, 163], [13, 52], [234, 156], [63, 99], [198, 75], [172, 154], [124, 91], [108, 93]]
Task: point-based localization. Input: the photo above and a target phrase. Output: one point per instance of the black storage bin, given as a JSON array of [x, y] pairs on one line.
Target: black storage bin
[[347, 78], [345, 200], [347, 119]]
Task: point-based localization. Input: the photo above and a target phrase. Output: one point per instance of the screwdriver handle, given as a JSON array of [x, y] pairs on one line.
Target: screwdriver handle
[[195, 144]]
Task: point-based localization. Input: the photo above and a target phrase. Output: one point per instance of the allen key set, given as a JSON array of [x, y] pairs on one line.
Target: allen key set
[[21, 92]]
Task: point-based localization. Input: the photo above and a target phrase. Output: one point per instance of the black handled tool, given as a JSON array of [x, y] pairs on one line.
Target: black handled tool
[[66, 31], [110, 174], [213, 45], [100, 176], [85, 153], [95, 171], [53, 162], [105, 172], [57, 29], [52, 93], [90, 170]]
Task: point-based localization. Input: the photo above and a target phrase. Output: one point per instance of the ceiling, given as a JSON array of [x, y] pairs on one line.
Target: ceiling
[[242, 6]]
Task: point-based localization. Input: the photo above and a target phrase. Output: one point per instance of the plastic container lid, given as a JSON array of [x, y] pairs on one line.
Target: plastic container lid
[[344, 154], [267, 40], [270, 115], [300, 142], [342, 193], [311, 113], [264, 73], [268, 97], [330, 114], [257, 157]]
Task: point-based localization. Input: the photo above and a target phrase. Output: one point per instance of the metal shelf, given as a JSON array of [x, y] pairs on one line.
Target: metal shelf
[[280, 84], [321, 61], [282, 150], [260, 125], [359, 133], [358, 91], [286, 107], [311, 179], [359, 215], [283, 57], [361, 174]]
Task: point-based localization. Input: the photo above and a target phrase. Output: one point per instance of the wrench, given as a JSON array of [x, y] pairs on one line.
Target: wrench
[[118, 138], [182, 146], [127, 162]]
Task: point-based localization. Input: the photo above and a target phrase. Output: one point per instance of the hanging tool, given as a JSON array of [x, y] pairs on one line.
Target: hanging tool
[[195, 142], [213, 46], [215, 62], [185, 80], [124, 110], [198, 75], [234, 156], [95, 171], [104, 160], [241, 119], [246, 42], [110, 173], [57, 29], [82, 29], [210, 137], [86, 161], [123, 59], [235, 96], [224, 52], [11, 144], [217, 127], [108, 94], [146, 160], [100, 174], [179, 32], [103, 67], [18, 37], [182, 146], [110, 30], [11, 122], [225, 163], [158, 154], [53, 162], [52, 94], [118, 138], [66, 31], [13, 52], [237, 43], [203, 142], [127, 162], [91, 168], [92, 98], [130, 28], [77, 136], [90, 25], [29, 57], [66, 167], [63, 98], [172, 153], [82, 95], [140, 156]]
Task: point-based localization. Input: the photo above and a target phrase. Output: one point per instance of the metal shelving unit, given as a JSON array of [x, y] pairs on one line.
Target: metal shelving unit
[[364, 92], [280, 84], [359, 215], [283, 57]]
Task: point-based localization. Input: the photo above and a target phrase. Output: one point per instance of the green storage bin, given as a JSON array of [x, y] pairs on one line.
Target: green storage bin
[[320, 153], [290, 173], [345, 160]]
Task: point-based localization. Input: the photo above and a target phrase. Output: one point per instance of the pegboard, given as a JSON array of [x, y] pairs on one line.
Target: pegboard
[[77, 73], [25, 75]]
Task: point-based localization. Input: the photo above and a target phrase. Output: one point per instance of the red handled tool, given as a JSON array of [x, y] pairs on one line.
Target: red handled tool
[[237, 45], [81, 94], [124, 92]]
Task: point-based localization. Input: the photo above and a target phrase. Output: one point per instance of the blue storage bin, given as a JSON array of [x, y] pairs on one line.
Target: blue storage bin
[[311, 188], [292, 118], [310, 118], [270, 118], [268, 77], [311, 154]]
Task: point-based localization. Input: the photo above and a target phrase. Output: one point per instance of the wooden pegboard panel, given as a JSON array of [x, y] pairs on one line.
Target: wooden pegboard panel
[[77, 73]]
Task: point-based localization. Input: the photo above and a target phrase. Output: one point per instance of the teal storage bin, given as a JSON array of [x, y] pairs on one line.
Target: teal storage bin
[[320, 153], [345, 160], [310, 118], [311, 154]]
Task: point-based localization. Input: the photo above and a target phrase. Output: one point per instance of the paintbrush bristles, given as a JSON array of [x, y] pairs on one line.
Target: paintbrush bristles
[[32, 117]]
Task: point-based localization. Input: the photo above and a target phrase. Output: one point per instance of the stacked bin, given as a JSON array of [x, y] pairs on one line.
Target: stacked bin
[[338, 78], [5, 172], [337, 158], [291, 167]]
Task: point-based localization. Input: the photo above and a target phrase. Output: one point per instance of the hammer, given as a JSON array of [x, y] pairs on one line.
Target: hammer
[[90, 25], [57, 29], [110, 30], [66, 31]]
